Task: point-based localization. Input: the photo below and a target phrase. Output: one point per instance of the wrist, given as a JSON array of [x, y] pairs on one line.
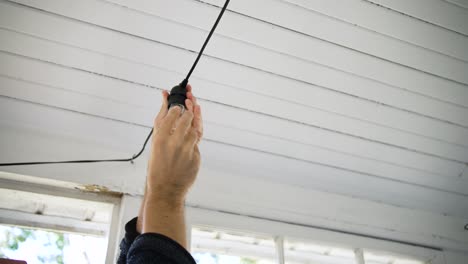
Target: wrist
[[165, 198]]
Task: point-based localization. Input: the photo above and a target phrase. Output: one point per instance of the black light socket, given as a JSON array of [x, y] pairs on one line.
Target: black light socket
[[178, 94]]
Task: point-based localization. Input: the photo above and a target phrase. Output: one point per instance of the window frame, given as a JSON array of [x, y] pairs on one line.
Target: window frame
[[282, 230], [127, 207], [62, 189]]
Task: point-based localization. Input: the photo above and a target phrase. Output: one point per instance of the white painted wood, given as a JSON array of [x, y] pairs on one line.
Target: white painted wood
[[435, 147], [359, 256], [452, 257], [220, 189], [10, 65], [439, 259], [88, 84], [374, 117], [299, 173], [263, 34], [253, 56], [459, 3], [441, 13], [386, 22], [465, 173], [112, 245], [279, 243], [233, 248], [129, 207], [54, 187], [456, 137], [255, 193], [64, 99], [137, 111], [304, 233], [18, 218], [33, 203]]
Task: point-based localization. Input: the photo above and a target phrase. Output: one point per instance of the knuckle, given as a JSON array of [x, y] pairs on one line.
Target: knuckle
[[176, 109], [189, 114], [172, 144], [193, 134], [156, 120]]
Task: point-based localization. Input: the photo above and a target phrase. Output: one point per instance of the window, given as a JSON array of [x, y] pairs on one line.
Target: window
[[46, 246], [49, 225], [263, 241], [210, 246], [301, 252], [375, 257]]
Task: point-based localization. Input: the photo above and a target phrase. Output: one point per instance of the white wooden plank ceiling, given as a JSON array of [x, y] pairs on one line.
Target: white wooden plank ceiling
[[367, 99]]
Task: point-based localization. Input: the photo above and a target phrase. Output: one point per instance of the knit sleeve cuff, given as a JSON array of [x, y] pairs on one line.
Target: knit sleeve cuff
[[159, 246]]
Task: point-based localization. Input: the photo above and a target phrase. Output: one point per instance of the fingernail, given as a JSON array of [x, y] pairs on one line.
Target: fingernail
[[176, 107]]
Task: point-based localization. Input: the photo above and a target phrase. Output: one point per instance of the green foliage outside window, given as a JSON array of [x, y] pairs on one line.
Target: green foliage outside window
[[12, 238]]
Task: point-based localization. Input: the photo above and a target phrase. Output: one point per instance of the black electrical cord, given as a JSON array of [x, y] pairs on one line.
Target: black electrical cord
[[82, 161], [184, 84], [207, 39]]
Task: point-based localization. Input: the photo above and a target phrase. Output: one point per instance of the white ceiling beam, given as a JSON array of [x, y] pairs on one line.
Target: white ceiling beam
[[391, 25], [441, 13], [307, 47]]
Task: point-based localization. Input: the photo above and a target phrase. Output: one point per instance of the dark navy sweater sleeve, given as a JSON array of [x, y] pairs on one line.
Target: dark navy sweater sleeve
[[157, 248], [150, 248], [130, 235]]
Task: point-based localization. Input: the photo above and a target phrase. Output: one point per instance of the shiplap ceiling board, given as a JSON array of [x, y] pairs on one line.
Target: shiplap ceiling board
[[366, 99]]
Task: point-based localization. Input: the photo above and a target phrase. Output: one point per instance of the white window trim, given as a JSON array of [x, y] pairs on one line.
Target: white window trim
[[17, 218], [279, 242], [229, 221]]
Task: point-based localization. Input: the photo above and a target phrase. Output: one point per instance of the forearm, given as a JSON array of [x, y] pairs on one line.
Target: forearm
[[165, 216], [139, 224]]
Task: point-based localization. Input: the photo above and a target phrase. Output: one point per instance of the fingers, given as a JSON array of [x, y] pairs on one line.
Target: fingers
[[187, 125], [197, 119], [163, 111], [189, 104], [185, 122], [198, 122], [191, 139], [168, 123]]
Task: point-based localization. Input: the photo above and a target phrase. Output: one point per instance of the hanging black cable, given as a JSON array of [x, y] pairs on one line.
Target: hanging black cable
[[207, 40], [177, 97], [82, 161], [179, 92]]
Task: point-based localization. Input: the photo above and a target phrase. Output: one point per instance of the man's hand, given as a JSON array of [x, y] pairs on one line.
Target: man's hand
[[175, 157], [172, 168]]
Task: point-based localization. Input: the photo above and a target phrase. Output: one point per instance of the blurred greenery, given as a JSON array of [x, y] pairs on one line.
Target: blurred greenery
[[248, 261], [13, 240], [14, 237]]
